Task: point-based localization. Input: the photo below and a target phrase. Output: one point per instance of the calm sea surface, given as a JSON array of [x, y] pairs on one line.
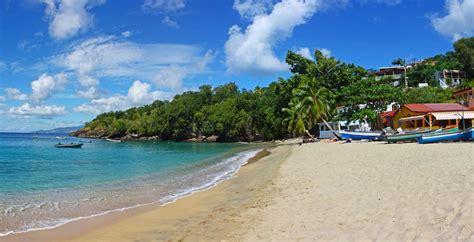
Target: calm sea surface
[[44, 187]]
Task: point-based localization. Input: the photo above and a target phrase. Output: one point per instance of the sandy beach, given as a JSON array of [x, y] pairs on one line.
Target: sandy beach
[[320, 191]]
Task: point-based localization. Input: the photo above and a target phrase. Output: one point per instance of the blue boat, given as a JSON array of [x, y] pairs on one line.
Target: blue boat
[[469, 135], [358, 135], [444, 137]]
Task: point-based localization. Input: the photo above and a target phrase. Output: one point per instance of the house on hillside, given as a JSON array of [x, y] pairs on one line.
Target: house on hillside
[[433, 116], [449, 78], [394, 72]]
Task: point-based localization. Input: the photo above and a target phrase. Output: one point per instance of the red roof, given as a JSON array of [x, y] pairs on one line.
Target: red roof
[[434, 107], [388, 114]]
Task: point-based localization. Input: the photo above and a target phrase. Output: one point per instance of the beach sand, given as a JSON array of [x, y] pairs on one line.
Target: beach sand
[[320, 191]]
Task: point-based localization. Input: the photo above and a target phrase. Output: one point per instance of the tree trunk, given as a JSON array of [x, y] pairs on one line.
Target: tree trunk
[[310, 136], [332, 131]]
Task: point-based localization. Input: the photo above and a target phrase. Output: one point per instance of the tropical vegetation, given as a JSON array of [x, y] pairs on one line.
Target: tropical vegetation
[[287, 107]]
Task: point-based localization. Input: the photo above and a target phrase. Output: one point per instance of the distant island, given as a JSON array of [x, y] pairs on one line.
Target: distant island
[[62, 130], [293, 106]]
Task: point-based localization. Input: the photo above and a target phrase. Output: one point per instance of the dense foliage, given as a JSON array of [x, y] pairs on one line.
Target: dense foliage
[[287, 107]]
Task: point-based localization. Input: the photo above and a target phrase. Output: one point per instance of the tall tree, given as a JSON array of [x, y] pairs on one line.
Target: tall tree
[[295, 118], [366, 98], [465, 54]]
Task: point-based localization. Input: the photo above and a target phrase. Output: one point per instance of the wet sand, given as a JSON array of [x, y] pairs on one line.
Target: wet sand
[[208, 215], [320, 191]]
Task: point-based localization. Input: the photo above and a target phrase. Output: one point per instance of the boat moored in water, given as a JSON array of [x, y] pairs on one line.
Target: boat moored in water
[[114, 140], [71, 145]]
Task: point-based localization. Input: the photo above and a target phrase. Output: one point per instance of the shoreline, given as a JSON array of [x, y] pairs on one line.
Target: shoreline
[[316, 191], [68, 230]]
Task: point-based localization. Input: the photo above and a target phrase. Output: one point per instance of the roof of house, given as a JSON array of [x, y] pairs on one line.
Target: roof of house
[[435, 107], [388, 114], [464, 91]]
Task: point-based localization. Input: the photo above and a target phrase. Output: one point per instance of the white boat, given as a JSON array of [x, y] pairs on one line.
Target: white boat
[[114, 140]]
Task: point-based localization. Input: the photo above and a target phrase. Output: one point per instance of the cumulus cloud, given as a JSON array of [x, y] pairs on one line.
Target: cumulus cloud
[[117, 57], [459, 22], [325, 52], [251, 8], [16, 94], [46, 84], [252, 50], [138, 94], [42, 111], [163, 5], [69, 17], [305, 52], [90, 93]]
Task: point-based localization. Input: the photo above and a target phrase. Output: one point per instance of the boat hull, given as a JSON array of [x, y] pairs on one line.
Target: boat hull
[[360, 135], [69, 145], [444, 137], [469, 136], [403, 137], [411, 137]]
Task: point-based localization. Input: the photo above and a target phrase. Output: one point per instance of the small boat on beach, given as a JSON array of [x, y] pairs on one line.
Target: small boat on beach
[[444, 137], [469, 136], [71, 145], [359, 135], [114, 140], [412, 136]]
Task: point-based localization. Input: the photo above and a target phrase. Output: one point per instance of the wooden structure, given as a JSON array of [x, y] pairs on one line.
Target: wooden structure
[[433, 116], [465, 95]]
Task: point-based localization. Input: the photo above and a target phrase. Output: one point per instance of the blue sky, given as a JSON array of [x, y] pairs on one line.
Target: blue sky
[[64, 61]]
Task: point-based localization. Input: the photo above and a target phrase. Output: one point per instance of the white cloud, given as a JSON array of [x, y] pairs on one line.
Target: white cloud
[[2, 98], [138, 94], [69, 17], [305, 52], [252, 50], [126, 33], [46, 84], [163, 5], [169, 22], [388, 2], [459, 22], [325, 52], [16, 94], [37, 110], [251, 8], [112, 56], [171, 77], [90, 93]]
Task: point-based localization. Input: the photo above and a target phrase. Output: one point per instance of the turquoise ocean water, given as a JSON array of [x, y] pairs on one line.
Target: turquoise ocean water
[[43, 187]]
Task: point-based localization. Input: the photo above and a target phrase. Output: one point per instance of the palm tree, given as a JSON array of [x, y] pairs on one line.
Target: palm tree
[[295, 118], [314, 101], [402, 62]]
